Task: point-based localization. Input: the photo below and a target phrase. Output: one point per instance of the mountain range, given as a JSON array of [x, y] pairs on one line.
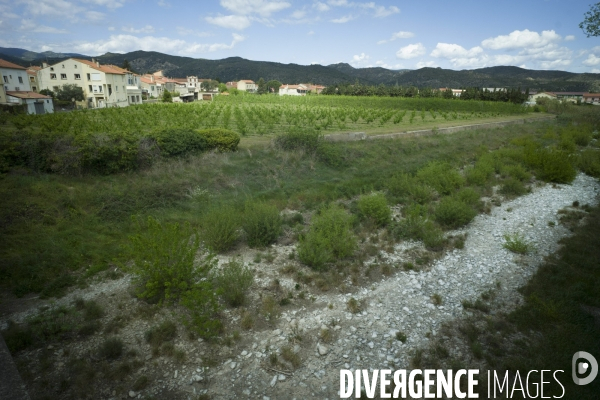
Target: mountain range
[[236, 68]]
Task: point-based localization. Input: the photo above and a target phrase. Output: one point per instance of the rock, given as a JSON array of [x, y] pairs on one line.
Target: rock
[[370, 344], [281, 377], [244, 353], [274, 381], [277, 332], [175, 374], [322, 349], [131, 394]]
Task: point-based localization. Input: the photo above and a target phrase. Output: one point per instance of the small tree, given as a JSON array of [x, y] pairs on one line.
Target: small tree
[[47, 92], [222, 87], [448, 94], [167, 97], [126, 65], [209, 86], [262, 86], [591, 23], [273, 86], [69, 92]]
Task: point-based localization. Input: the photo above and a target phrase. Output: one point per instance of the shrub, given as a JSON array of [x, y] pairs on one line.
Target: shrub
[[589, 162], [454, 213], [418, 227], [482, 171], [441, 176], [262, 224], [164, 260], [469, 196], [220, 139], [167, 268], [513, 187], [157, 335], [298, 138], [404, 188], [177, 141], [111, 348], [220, 227], [516, 243], [374, 206], [517, 172], [234, 280], [329, 238], [555, 166], [330, 154]]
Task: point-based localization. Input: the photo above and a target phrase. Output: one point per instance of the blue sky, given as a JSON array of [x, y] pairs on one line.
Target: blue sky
[[458, 34]]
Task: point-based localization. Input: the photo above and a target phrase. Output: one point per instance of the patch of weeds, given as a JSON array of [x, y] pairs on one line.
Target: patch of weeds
[[234, 281], [436, 299], [273, 359], [288, 354], [416, 361], [247, 321], [353, 306], [270, 257], [516, 243], [387, 270], [257, 258], [477, 305], [401, 336], [89, 328], [439, 351], [551, 224], [325, 335], [115, 324], [140, 383], [161, 333], [220, 226], [441, 176], [270, 308], [111, 348], [408, 266], [477, 350]]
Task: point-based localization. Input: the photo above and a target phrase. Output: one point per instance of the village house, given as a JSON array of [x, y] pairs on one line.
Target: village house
[[16, 90], [591, 98], [102, 85], [246, 85]]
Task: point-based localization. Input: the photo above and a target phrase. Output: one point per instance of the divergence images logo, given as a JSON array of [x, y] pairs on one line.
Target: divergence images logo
[[583, 367]]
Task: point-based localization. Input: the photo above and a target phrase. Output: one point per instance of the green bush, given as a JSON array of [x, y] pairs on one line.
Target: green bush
[[329, 238], [517, 172], [164, 256], [330, 154], [555, 166], [220, 227], [262, 224], [417, 226], [298, 138], [177, 141], [111, 348], [469, 196], [374, 206], [233, 281], [404, 188], [454, 213], [441, 176], [482, 171], [589, 162], [513, 187], [220, 139], [157, 335]]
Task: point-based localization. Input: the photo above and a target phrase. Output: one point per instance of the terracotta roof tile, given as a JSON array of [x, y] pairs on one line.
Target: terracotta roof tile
[[27, 95], [7, 64]]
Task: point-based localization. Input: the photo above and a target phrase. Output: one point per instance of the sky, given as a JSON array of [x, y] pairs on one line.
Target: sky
[[457, 34]]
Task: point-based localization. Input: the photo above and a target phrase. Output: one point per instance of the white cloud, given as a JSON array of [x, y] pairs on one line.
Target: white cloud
[[28, 25], [145, 29], [52, 8], [190, 32], [163, 3], [383, 64], [322, 7], [94, 16], [398, 35], [343, 20], [595, 71], [338, 3], [569, 38], [112, 28], [298, 14], [127, 43], [520, 39], [592, 61], [310, 33], [423, 64], [411, 51], [238, 22], [112, 4], [382, 12], [260, 7], [450, 51], [360, 57]]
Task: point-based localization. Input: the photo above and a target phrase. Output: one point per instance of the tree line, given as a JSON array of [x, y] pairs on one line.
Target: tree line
[[512, 95]]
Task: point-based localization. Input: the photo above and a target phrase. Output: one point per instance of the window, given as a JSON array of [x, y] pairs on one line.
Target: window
[[116, 88], [52, 76], [5, 79], [17, 88], [51, 68], [88, 77], [75, 66], [63, 76], [63, 65], [20, 79], [77, 76], [32, 79], [90, 87], [96, 77], [34, 88], [152, 88]]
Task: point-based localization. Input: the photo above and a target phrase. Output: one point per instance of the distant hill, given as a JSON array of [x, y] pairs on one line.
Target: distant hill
[[236, 68]]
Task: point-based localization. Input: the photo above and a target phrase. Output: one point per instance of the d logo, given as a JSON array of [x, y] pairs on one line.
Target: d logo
[[590, 365]]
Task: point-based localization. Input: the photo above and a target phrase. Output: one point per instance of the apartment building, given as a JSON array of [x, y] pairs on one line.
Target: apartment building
[[16, 90]]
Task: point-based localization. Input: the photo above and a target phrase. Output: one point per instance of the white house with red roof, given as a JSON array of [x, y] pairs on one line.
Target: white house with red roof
[[103, 85], [16, 90], [246, 85]]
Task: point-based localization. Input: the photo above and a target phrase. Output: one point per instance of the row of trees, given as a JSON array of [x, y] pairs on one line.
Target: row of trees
[[506, 95]]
